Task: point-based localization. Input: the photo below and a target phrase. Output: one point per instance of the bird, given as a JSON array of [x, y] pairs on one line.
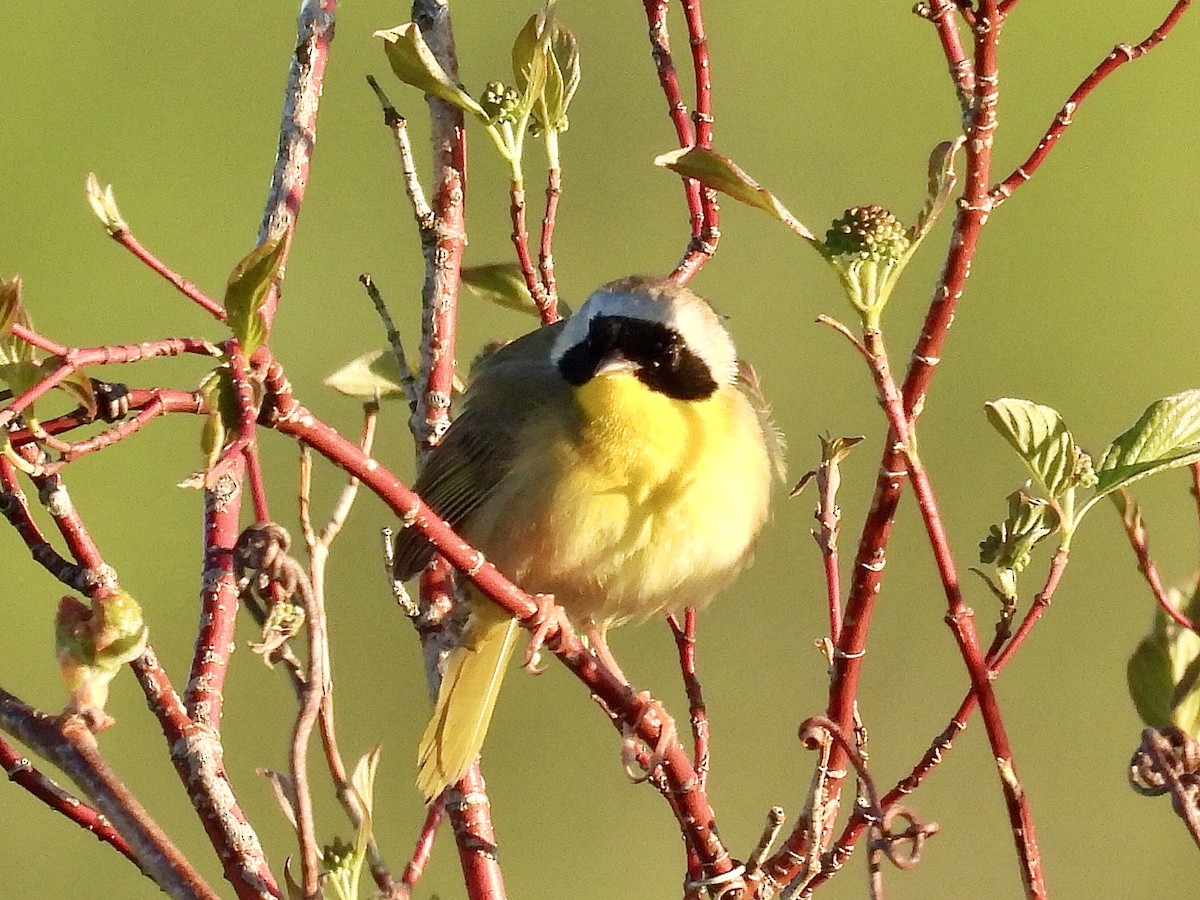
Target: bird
[[616, 461]]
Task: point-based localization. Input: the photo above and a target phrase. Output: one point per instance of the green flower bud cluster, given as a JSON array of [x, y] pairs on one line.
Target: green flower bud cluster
[[1009, 544], [868, 247], [868, 233], [337, 855], [500, 102]]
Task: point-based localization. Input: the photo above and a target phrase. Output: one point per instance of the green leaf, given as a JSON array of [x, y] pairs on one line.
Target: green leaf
[[247, 289], [10, 304], [1166, 436], [363, 782], [722, 174], [414, 63], [941, 182], [374, 374], [502, 284], [1163, 672], [529, 62], [19, 367], [544, 35], [1039, 435], [564, 51], [13, 350], [1009, 544], [222, 420]]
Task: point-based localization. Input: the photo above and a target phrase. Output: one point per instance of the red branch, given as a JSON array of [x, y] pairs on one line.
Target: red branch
[[470, 813], [546, 302], [42, 342], [685, 644], [76, 359], [297, 133], [139, 400], [1139, 540], [443, 243], [195, 750], [204, 697], [185, 287], [1121, 54], [549, 217], [15, 508], [943, 14], [998, 659], [871, 557], [702, 204], [703, 248], [67, 742], [424, 847], [158, 403], [199, 760], [21, 772], [961, 621]]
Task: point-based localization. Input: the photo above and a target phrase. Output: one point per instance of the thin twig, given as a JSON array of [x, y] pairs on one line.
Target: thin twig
[[704, 246], [161, 403], [443, 256], [408, 381], [961, 621], [549, 218], [15, 507], [1121, 54], [69, 744], [1139, 540], [685, 644], [545, 303], [943, 14], [184, 286], [319, 545], [943, 743], [22, 772], [421, 852], [297, 134], [698, 250], [408, 167], [115, 354]]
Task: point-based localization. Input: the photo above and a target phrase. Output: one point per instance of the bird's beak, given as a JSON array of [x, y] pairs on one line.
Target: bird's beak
[[614, 364]]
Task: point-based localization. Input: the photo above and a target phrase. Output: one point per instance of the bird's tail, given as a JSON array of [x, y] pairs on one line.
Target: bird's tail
[[471, 682]]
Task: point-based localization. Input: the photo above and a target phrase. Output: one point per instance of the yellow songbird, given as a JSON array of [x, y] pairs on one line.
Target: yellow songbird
[[612, 460]]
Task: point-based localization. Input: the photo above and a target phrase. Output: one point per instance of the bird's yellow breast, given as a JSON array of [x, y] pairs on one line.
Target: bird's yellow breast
[[647, 503]]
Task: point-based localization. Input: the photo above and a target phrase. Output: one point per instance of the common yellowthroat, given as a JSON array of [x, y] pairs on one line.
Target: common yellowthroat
[[611, 460]]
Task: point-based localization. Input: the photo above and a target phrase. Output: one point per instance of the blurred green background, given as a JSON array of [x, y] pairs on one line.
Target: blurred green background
[[1083, 297]]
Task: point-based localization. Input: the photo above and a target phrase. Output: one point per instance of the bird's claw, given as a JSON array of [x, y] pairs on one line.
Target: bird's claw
[[549, 619], [635, 754]]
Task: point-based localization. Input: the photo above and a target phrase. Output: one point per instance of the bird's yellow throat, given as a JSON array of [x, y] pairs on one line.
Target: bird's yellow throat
[[644, 434]]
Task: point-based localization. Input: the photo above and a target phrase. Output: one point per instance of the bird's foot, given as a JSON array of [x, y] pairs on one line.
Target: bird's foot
[[549, 619], [639, 761]]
